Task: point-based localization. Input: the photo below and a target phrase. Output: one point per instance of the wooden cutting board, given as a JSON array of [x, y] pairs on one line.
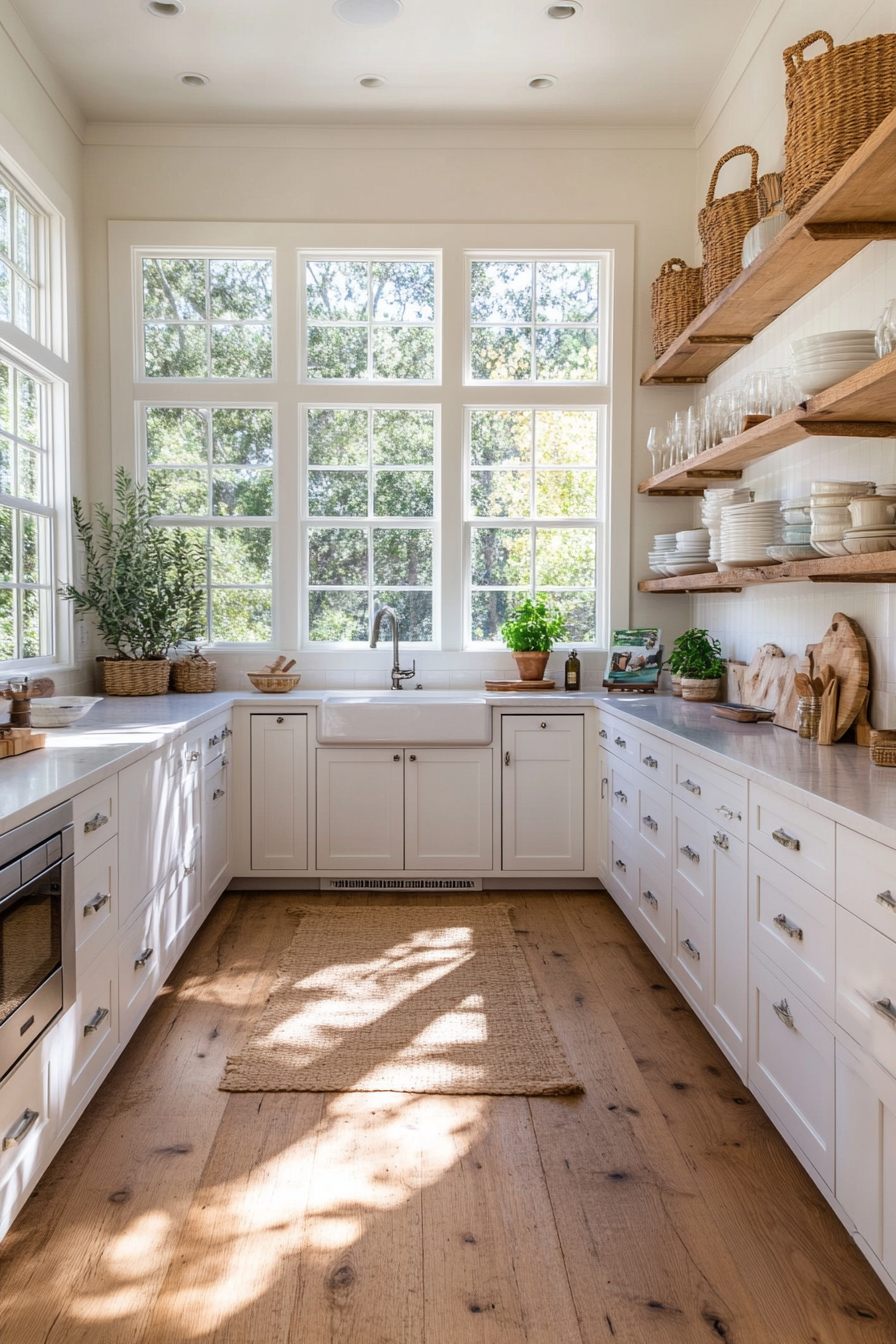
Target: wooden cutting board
[[520, 685], [845, 648], [769, 682]]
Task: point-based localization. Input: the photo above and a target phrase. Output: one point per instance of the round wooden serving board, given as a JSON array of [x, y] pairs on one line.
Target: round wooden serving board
[[845, 649]]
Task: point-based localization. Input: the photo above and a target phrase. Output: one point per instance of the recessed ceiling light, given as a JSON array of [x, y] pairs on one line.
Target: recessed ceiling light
[[372, 81], [567, 10], [367, 13], [193, 80], [542, 81], [164, 9]]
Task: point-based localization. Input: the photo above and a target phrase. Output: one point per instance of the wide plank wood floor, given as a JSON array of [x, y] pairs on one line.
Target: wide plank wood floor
[[660, 1207]]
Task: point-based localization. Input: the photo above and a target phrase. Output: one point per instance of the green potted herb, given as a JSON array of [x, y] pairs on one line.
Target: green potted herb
[[144, 585], [696, 659], [530, 633]]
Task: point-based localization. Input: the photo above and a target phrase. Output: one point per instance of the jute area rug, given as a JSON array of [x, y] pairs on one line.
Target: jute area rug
[[403, 999]]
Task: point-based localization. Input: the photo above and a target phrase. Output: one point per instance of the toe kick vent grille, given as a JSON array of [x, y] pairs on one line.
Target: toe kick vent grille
[[401, 884]]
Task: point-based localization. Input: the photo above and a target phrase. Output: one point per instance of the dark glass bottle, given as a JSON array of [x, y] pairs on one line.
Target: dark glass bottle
[[572, 680]]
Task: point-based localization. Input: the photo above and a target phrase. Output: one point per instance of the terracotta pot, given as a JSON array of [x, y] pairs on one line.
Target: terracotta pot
[[676, 684], [531, 665], [692, 689]]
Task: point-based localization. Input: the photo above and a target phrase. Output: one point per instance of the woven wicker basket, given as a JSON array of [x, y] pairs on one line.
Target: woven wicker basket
[[194, 674], [724, 224], [883, 746], [675, 300], [834, 102], [693, 688], [135, 676]]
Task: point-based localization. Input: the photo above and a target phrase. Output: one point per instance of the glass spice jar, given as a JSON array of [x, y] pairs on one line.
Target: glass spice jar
[[808, 716]]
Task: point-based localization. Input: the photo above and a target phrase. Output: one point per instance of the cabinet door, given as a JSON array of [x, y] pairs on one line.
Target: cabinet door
[[448, 808], [215, 830], [603, 812], [159, 814], [542, 792], [279, 782], [360, 808], [728, 992]]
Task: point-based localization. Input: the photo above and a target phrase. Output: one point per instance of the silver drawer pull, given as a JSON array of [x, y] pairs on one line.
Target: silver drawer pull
[[225, 759], [603, 733], [189, 870], [691, 786], [787, 926], [143, 957], [623, 797], [96, 903], [651, 762], [690, 853], [887, 1008], [620, 864], [650, 823], [99, 1016], [886, 898], [218, 793], [602, 783], [651, 900], [193, 756], [506, 758], [213, 741], [95, 822], [788, 841], [720, 840], [784, 1013], [27, 1123], [691, 950], [226, 732], [620, 742], [728, 813]]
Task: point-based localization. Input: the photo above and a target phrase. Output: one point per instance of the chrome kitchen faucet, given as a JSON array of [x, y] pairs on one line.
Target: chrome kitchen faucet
[[397, 674]]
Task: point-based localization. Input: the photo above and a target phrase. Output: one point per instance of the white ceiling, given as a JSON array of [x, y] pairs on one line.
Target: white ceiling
[[618, 63]]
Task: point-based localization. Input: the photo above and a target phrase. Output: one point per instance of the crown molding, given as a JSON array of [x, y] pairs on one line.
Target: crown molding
[[21, 39]]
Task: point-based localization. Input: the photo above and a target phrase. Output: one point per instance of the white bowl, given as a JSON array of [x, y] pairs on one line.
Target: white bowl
[[839, 487], [791, 552], [866, 545], [823, 338], [871, 511], [829, 548], [814, 384], [61, 711], [761, 235]]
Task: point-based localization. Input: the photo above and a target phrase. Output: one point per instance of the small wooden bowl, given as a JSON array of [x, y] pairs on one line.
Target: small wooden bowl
[[274, 683]]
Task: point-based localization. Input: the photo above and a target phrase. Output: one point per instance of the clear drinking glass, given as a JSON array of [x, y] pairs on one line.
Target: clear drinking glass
[[655, 449]]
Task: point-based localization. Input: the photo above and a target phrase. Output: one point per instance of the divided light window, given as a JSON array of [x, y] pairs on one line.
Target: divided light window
[[26, 562], [534, 321], [371, 510], [18, 261], [212, 467], [370, 320], [207, 317]]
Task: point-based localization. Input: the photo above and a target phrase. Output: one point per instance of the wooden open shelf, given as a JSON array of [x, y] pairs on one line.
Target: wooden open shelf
[[863, 406], [877, 568], [857, 207]]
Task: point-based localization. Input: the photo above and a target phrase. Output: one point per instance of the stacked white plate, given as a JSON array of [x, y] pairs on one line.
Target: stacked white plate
[[691, 555], [714, 500], [796, 533], [747, 532], [829, 511], [664, 546], [821, 361]]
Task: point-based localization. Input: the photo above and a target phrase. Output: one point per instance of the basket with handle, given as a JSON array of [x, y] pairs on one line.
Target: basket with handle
[[675, 300], [194, 673], [723, 224], [834, 101]]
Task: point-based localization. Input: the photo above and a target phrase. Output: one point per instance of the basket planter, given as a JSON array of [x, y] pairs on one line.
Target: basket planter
[[724, 224], [531, 665], [834, 102], [135, 676], [675, 300], [883, 746], [676, 684], [194, 675], [692, 689]]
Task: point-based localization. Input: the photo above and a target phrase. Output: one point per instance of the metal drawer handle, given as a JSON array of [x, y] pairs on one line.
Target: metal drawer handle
[[720, 840], [651, 900], [787, 926], [650, 823], [788, 841], [99, 1016], [620, 742], [691, 787], [97, 903], [225, 760], [602, 783], [886, 898], [193, 756], [213, 741], [651, 762], [506, 758], [887, 1008], [218, 793], [603, 733], [691, 950], [690, 853], [542, 725], [226, 732], [189, 871], [784, 1013], [728, 813], [620, 864], [623, 797], [27, 1123], [95, 822], [143, 957]]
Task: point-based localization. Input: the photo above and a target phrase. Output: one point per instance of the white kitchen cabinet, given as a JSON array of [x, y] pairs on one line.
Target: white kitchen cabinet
[[87, 1037], [159, 816], [28, 1127], [180, 910], [542, 792], [360, 808], [139, 967], [216, 806], [96, 903], [448, 808], [792, 924], [866, 987], [727, 990], [653, 917], [279, 784], [623, 868], [798, 838], [95, 817]]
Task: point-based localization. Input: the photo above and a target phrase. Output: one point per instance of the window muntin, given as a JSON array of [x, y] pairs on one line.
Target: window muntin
[[533, 515], [207, 317], [371, 510], [18, 261], [213, 467], [534, 320], [370, 320], [26, 555]]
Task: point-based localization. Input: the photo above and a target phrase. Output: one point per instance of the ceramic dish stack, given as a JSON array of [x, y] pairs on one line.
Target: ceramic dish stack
[[748, 530], [663, 550], [796, 533], [829, 511], [872, 527], [821, 361], [691, 555], [714, 500]]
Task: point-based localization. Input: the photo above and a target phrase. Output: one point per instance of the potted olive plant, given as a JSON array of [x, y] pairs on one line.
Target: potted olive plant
[[529, 635], [697, 660], [144, 585]]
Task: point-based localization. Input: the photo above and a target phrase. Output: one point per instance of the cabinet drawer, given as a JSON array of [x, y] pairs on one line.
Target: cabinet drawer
[[624, 863], [655, 759], [691, 950], [623, 797], [691, 855], [96, 902], [89, 1034], [215, 828], [717, 795], [215, 738], [621, 738], [28, 1125], [866, 879], [866, 987], [655, 826], [179, 903], [139, 967], [800, 840], [653, 918], [792, 1065], [95, 817], [793, 925]]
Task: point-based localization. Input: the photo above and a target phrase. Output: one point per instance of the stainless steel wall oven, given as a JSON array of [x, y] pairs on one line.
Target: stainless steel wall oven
[[37, 931]]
